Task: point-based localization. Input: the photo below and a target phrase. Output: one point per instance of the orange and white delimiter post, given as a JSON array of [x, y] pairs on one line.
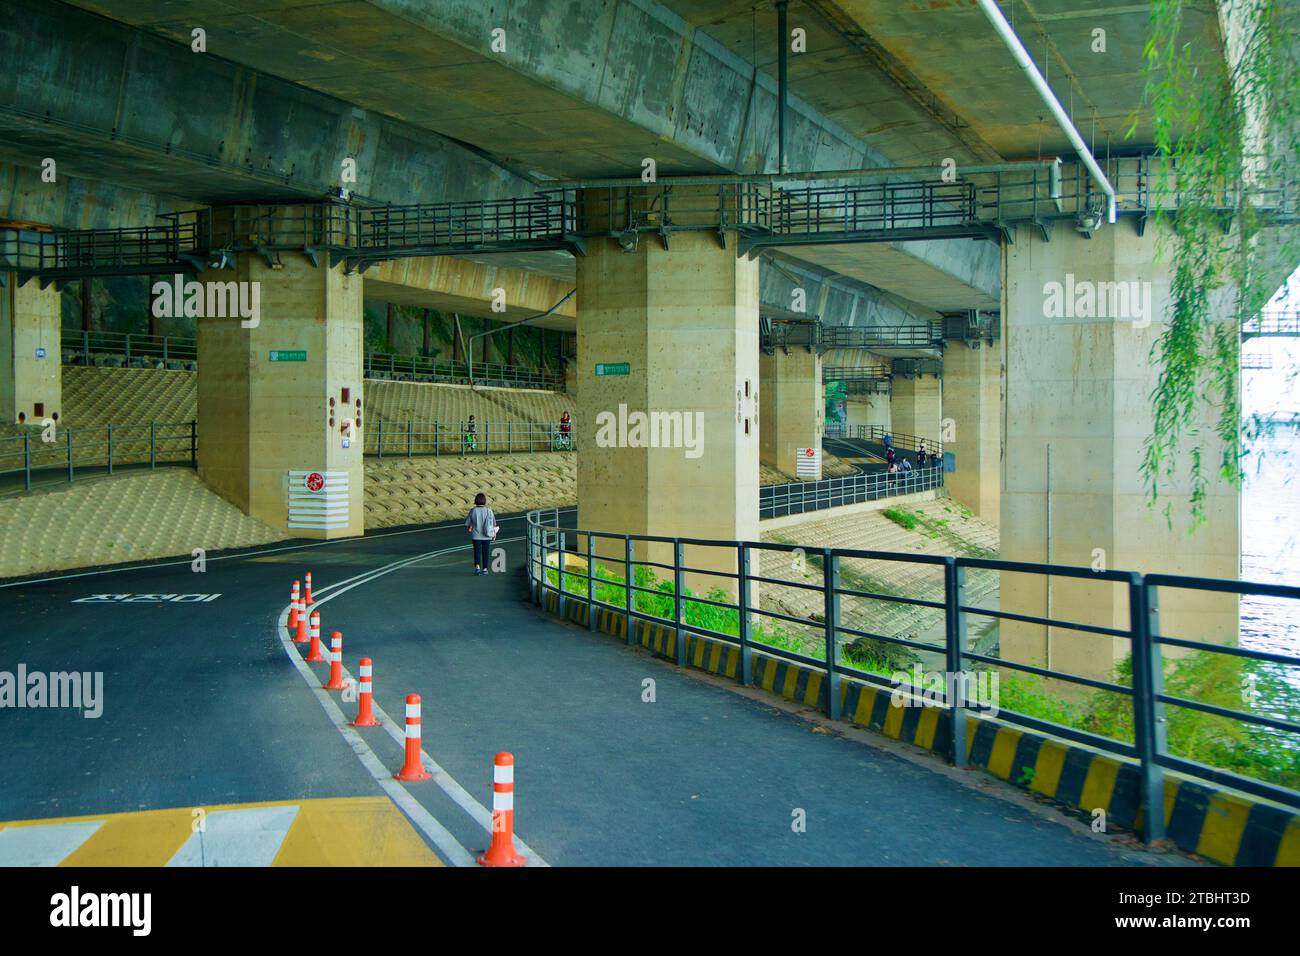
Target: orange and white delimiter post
[[336, 660], [502, 851], [413, 767], [365, 698], [294, 605]]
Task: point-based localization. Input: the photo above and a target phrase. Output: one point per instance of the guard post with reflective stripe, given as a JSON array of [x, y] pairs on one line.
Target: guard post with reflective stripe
[[502, 851], [412, 768]]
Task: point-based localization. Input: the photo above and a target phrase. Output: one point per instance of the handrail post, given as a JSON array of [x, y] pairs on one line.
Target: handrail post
[[437, 441], [27, 461], [68, 432], [410, 435], [954, 590], [831, 608], [559, 563], [746, 670], [545, 551], [1150, 730], [110, 448], [591, 584], [194, 443], [380, 439], [629, 593], [678, 583], [153, 445]]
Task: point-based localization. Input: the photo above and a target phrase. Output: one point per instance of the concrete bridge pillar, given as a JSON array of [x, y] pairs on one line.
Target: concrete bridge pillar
[[667, 395], [915, 406], [792, 407], [276, 390], [31, 373], [972, 400], [1080, 317]]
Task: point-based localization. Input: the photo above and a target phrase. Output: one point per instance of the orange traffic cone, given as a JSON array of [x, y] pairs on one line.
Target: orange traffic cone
[[365, 705], [336, 662], [502, 851], [412, 768], [314, 655]]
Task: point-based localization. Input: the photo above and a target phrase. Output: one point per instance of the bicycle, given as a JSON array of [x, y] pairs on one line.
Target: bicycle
[[471, 441], [563, 441]]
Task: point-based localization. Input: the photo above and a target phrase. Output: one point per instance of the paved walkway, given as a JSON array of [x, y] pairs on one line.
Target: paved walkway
[[203, 707]]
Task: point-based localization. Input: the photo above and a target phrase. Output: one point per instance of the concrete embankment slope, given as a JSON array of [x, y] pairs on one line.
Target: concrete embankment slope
[[403, 491], [938, 526], [129, 517]]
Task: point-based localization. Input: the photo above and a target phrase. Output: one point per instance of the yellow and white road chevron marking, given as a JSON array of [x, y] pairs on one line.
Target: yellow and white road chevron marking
[[345, 831]]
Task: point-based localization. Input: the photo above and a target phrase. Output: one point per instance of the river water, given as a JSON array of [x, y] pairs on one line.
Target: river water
[[1270, 540]]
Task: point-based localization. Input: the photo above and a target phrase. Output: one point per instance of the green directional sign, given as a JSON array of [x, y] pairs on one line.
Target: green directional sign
[[613, 368], [291, 355]]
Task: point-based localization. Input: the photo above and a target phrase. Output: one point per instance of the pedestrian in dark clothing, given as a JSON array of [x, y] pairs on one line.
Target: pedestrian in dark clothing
[[482, 526]]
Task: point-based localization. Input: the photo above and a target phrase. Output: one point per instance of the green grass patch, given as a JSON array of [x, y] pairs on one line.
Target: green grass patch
[[1203, 676]]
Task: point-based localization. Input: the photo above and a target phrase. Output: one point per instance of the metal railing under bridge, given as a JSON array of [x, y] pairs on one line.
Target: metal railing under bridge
[[642, 578], [137, 350], [799, 497], [885, 205]]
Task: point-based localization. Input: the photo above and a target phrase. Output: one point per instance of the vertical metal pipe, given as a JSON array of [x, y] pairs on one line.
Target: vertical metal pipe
[[1149, 724], [27, 461], [746, 670], [629, 595], [110, 448], [679, 643], [831, 609], [782, 83], [87, 309], [591, 584], [955, 640]]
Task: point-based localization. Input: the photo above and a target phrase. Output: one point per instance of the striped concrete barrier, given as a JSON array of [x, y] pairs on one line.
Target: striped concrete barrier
[[1220, 825]]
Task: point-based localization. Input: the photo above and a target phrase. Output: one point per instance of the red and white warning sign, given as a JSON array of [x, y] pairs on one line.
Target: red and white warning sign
[[318, 499], [808, 463]]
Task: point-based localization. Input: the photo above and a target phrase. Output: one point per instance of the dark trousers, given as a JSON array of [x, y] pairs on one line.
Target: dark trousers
[[481, 553]]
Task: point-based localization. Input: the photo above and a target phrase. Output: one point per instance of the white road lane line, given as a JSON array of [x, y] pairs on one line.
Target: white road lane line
[[253, 554], [44, 845], [447, 844], [479, 813], [249, 836]]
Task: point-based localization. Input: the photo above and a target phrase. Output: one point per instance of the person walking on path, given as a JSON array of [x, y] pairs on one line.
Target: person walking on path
[[482, 526]]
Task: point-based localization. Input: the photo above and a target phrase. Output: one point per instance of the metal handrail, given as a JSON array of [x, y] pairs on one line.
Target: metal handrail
[[48, 446], [79, 346], [798, 497], [407, 439], [878, 433], [982, 202], [548, 547]]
